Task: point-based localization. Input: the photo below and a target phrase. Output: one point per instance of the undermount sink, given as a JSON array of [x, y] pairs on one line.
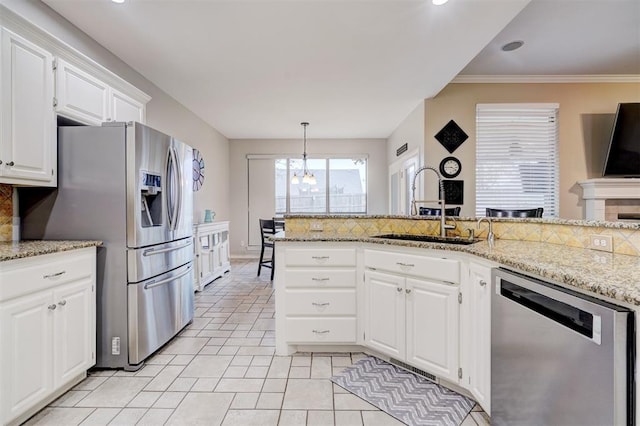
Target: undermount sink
[[427, 238]]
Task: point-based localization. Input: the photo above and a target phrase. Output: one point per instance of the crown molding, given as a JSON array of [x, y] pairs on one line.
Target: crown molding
[[595, 78]]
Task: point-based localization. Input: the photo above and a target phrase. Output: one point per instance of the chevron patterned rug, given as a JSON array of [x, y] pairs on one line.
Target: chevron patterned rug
[[408, 397]]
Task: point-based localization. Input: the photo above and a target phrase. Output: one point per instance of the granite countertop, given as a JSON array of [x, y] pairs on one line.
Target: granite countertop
[[10, 250], [613, 275], [551, 221]]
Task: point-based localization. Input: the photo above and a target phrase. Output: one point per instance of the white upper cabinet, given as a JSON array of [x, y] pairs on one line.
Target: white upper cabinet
[[80, 95], [86, 98], [27, 126], [125, 108]]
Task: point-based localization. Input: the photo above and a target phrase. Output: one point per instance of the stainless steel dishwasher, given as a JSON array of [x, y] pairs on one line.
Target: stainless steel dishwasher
[[558, 357]]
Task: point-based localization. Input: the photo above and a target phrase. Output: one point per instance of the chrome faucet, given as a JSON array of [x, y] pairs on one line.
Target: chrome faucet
[[414, 209], [490, 236]]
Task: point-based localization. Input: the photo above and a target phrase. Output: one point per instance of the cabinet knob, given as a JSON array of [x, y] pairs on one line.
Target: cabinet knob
[[52, 307], [0, 161], [62, 302], [483, 283], [399, 289], [408, 290], [10, 163]]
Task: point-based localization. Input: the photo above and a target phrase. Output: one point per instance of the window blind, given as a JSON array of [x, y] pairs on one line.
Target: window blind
[[517, 157]]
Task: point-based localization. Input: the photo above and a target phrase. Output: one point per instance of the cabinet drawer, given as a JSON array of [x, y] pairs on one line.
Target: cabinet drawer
[[409, 264], [321, 302], [320, 257], [24, 276], [321, 330], [320, 277]]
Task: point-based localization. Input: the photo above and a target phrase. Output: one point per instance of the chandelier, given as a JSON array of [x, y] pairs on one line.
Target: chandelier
[[307, 176]]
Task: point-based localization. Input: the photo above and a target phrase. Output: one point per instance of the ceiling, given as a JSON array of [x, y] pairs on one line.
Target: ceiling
[[352, 68]]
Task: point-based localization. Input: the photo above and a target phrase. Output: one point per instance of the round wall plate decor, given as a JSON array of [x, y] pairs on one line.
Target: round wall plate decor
[[198, 170], [450, 167]]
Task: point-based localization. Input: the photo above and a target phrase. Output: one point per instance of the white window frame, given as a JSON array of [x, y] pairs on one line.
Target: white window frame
[[508, 152], [327, 158]]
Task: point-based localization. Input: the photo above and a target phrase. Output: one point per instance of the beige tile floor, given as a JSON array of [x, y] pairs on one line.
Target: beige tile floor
[[221, 370]]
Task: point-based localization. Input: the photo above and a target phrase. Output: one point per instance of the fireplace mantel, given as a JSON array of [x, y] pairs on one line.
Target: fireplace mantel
[[596, 192]]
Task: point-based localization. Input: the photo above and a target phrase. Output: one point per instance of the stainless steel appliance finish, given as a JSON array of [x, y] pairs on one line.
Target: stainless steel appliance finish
[[129, 186], [558, 357]]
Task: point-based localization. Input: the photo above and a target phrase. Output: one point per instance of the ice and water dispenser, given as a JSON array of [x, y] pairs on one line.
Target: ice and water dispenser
[[151, 199]]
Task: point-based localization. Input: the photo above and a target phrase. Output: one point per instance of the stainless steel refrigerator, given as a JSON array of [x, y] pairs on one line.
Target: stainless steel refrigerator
[[129, 186]]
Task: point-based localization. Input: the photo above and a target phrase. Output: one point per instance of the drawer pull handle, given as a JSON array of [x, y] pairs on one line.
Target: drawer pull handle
[[319, 279], [52, 307], [57, 274], [11, 164], [410, 265], [408, 290], [320, 304], [399, 289], [62, 302], [483, 283], [319, 257], [321, 331]]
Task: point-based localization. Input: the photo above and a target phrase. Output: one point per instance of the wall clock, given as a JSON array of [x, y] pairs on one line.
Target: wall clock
[[198, 170], [450, 167]]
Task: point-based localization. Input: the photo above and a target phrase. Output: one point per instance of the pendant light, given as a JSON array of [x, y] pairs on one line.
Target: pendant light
[[307, 177]]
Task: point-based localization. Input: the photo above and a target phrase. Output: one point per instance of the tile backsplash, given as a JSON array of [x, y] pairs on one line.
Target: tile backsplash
[[6, 212], [625, 241]]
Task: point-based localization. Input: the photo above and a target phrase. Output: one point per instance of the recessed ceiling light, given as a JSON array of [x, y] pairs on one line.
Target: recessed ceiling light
[[512, 45], [118, 1], [439, 2]]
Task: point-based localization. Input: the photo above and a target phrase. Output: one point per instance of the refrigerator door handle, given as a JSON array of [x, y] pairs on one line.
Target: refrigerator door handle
[[178, 177], [167, 280], [171, 189], [151, 252]]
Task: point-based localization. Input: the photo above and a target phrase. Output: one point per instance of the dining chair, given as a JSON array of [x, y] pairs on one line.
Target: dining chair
[[267, 228], [514, 213], [430, 211]]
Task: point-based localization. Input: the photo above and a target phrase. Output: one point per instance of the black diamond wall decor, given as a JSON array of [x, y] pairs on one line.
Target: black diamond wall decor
[[451, 136]]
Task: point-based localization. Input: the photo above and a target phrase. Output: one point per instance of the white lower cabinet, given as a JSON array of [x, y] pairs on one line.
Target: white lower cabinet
[[316, 297], [476, 331], [413, 320], [47, 329], [427, 308]]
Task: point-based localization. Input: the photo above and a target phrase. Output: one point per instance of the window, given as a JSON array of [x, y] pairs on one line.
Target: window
[[340, 188], [517, 157]]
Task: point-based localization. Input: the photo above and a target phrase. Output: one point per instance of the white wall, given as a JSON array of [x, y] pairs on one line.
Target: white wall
[[410, 131], [240, 148], [163, 112]]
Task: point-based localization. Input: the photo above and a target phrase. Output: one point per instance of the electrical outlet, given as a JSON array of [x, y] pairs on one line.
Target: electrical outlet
[[316, 226], [601, 242]]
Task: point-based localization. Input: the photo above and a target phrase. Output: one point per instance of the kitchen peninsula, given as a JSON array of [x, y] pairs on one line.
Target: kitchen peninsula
[[427, 305]]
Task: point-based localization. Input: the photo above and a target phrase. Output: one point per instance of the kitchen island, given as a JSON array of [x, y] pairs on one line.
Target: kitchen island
[[426, 305]]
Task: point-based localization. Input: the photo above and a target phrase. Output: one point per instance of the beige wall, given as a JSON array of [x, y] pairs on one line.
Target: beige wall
[[163, 112], [240, 148], [585, 119]]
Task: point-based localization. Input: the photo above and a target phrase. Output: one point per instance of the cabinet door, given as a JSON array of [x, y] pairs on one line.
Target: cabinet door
[[384, 330], [432, 327], [73, 330], [27, 136], [25, 353], [125, 108], [479, 355], [80, 95]]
